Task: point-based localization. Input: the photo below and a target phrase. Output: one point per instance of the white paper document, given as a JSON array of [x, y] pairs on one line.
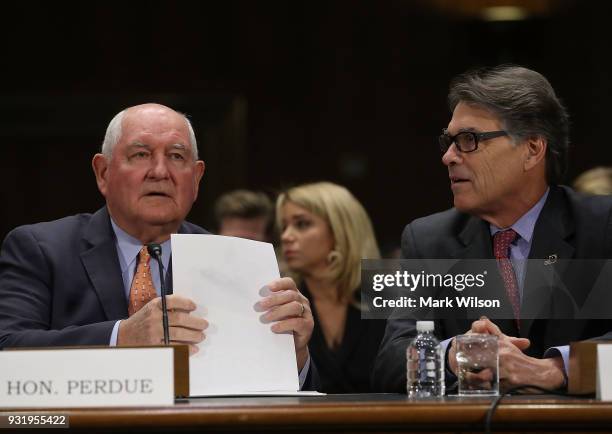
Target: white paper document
[[224, 276]]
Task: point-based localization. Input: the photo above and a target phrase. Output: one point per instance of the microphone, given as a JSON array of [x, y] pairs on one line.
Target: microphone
[[155, 251]]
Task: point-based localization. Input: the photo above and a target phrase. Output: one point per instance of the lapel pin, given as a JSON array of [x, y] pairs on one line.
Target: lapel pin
[[551, 259]]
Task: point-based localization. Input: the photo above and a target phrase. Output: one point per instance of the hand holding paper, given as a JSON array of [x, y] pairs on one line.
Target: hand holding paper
[[225, 276], [290, 312]]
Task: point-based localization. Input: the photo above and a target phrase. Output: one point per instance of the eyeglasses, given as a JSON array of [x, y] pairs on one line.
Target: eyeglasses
[[466, 141]]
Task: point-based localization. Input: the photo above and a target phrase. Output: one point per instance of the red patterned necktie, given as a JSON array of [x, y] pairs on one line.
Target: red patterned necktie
[[501, 250], [142, 290]]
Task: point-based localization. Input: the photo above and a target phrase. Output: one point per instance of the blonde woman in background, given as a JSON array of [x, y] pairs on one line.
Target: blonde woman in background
[[595, 181], [325, 232]]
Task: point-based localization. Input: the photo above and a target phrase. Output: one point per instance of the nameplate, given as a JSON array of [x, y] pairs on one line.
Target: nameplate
[[114, 377], [604, 372]]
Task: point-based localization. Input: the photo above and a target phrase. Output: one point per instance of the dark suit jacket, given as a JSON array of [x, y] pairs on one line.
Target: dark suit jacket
[[61, 285], [60, 282], [570, 225]]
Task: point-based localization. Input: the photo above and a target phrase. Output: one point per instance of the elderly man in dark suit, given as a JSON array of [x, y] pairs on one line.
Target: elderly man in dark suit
[[88, 280], [506, 151]]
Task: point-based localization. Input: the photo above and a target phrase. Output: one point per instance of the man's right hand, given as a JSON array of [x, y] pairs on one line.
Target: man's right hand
[[518, 369], [145, 326]]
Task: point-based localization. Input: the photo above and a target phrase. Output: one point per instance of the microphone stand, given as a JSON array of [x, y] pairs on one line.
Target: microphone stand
[[155, 250]]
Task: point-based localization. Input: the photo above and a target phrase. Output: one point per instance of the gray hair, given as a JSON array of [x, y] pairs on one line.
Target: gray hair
[[526, 104], [114, 131]]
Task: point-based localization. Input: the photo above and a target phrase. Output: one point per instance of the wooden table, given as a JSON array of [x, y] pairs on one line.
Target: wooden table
[[345, 413]]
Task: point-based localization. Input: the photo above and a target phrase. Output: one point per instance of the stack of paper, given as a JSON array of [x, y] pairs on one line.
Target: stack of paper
[[224, 276]]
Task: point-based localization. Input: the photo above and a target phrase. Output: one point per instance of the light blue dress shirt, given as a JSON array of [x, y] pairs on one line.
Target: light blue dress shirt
[[520, 248], [128, 249], [519, 254]]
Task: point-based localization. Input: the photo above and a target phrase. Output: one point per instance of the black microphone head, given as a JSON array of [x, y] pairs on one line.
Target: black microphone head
[[154, 250]]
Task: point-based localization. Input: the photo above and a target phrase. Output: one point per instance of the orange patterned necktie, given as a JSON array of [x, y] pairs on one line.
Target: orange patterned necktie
[[142, 290]]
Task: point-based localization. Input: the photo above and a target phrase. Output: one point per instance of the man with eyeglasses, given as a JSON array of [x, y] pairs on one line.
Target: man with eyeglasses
[[506, 149]]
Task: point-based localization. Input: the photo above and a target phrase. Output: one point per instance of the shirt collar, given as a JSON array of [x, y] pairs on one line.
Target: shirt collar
[[129, 247], [526, 224]]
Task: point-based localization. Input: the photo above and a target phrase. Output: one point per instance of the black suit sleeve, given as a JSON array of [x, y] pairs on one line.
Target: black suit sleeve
[[27, 299], [389, 374], [312, 381]]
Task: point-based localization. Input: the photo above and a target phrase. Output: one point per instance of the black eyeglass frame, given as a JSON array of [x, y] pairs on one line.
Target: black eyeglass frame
[[445, 140]]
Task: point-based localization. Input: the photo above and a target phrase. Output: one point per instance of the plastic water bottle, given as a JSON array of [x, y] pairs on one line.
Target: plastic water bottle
[[425, 363]]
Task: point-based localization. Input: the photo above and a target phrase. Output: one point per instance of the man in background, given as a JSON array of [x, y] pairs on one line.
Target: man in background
[[245, 214]]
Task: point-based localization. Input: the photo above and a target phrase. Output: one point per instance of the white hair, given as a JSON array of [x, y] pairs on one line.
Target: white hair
[[114, 131]]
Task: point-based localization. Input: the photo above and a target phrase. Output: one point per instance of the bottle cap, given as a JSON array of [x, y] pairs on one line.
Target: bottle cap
[[424, 326]]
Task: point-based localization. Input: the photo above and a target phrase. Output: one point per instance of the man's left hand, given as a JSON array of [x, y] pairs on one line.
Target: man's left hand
[[515, 367], [290, 311]]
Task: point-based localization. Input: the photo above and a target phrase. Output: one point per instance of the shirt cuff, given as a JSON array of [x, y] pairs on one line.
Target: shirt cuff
[[562, 351], [113, 338], [304, 372]]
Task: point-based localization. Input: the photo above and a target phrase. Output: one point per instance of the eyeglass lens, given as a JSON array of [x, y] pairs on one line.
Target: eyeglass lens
[[466, 141]]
